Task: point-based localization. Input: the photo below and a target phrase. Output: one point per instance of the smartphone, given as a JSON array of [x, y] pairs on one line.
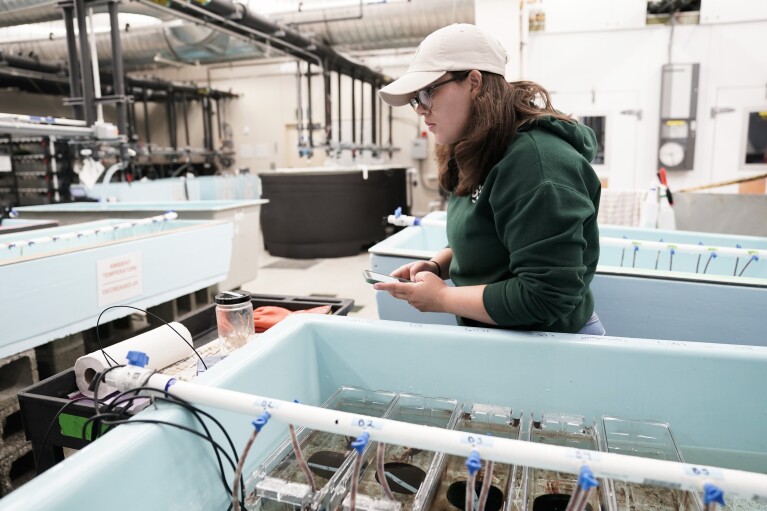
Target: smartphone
[[374, 277]]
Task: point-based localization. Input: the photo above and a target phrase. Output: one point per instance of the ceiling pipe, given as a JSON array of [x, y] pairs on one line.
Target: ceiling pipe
[[23, 12], [236, 19], [381, 25]]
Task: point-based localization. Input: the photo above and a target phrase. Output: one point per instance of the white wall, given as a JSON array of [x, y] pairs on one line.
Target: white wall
[[597, 59], [617, 70]]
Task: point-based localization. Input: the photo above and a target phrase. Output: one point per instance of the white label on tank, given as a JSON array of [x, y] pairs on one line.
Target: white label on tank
[[366, 423], [477, 440], [119, 278], [703, 472], [582, 455]]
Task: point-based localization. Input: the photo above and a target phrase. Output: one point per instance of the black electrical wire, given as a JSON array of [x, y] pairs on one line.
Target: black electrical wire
[[169, 398], [108, 358], [746, 266], [98, 420], [53, 421], [709, 260]]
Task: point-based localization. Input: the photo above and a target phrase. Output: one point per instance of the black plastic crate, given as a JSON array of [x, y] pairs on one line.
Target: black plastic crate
[[39, 405], [202, 322], [41, 402]]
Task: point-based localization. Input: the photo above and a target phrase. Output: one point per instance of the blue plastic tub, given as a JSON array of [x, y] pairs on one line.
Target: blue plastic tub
[[708, 394], [633, 299], [247, 242]]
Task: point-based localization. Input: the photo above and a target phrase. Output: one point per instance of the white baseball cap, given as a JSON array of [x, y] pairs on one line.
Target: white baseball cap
[[458, 47]]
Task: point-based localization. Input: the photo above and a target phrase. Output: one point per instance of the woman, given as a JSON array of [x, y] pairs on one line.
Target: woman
[[522, 215]]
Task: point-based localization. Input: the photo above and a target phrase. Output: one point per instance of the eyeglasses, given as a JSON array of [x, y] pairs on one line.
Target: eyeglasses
[[423, 96]]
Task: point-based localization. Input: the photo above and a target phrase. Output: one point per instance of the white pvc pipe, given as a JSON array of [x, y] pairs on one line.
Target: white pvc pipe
[[405, 220], [95, 65], [28, 128], [42, 119], [171, 215], [682, 247], [614, 466]]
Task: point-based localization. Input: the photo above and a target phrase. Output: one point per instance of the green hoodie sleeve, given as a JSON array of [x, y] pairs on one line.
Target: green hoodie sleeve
[[545, 240], [541, 205]]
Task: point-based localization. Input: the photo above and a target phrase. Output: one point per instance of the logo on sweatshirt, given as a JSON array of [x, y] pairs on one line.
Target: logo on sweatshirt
[[475, 194]]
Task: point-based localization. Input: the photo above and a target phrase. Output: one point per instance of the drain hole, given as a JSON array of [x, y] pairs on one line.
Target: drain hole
[[325, 463], [553, 502], [456, 495], [402, 477]]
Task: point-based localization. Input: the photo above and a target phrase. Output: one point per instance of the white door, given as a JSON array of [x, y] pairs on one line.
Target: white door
[[621, 119], [735, 153]]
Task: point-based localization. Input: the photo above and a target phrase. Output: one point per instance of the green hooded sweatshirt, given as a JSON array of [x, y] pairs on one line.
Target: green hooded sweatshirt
[[529, 231]]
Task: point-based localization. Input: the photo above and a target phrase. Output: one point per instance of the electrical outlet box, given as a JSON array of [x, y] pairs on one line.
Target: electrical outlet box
[[419, 149]]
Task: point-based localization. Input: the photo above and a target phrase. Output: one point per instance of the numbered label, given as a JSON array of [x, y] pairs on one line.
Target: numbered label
[[585, 456], [366, 423], [709, 473], [268, 404], [477, 440]]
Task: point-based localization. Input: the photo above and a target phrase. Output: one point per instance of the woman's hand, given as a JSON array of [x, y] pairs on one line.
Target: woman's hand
[[427, 291], [410, 270]]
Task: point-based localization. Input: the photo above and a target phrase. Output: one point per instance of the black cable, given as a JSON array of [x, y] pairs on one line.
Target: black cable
[[215, 444], [53, 421], [746, 266], [98, 336], [713, 254], [97, 420], [185, 404]]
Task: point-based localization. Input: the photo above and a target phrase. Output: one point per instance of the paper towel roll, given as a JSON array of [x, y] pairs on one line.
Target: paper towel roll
[[163, 346]]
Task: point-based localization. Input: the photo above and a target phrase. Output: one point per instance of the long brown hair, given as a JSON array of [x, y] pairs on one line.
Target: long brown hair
[[497, 113]]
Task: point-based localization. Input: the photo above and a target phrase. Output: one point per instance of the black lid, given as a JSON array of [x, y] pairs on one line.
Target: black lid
[[232, 297]]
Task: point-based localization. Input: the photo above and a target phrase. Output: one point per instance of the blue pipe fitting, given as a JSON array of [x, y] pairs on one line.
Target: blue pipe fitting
[[712, 493], [586, 479], [473, 463], [361, 441], [261, 421], [137, 358]]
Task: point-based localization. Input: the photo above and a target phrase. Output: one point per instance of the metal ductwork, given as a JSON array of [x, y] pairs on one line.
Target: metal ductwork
[[380, 25], [22, 12], [372, 26], [185, 43]]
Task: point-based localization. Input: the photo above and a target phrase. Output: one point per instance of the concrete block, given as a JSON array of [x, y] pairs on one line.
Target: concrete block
[[59, 355], [11, 425], [17, 372], [17, 466]]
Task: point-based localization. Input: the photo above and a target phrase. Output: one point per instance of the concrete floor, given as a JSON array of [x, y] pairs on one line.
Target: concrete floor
[[339, 277]]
